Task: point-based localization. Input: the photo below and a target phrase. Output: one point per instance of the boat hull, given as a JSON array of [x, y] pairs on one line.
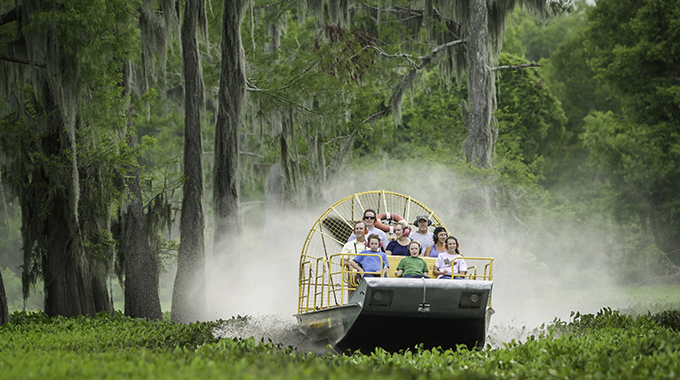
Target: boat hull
[[397, 314], [398, 333]]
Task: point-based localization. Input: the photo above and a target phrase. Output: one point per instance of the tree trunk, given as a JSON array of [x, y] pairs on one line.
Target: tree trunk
[[100, 294], [141, 267], [231, 96], [66, 272], [189, 302], [4, 310], [286, 140], [479, 141], [68, 285], [289, 158]]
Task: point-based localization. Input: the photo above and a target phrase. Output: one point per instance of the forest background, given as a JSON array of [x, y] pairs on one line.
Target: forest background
[[585, 154]]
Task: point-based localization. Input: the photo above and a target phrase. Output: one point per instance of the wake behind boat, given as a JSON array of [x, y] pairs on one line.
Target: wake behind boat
[[388, 312]]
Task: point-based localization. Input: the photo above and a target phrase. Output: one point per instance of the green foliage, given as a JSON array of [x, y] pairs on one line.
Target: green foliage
[[311, 91], [62, 143], [606, 345], [87, 42], [604, 319], [635, 50], [613, 68], [540, 117], [104, 332], [431, 127], [574, 84], [538, 39], [640, 160], [558, 45], [669, 319]]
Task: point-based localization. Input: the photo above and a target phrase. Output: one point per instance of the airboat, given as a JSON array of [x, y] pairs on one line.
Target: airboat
[[387, 312]]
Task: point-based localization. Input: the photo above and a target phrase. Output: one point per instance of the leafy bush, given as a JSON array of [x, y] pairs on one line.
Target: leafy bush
[[106, 332], [669, 319], [608, 344]]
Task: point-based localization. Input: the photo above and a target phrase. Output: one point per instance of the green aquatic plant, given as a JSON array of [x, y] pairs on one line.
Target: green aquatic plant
[[608, 344]]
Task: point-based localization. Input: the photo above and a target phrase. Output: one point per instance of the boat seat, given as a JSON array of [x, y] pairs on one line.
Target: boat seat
[[393, 262]]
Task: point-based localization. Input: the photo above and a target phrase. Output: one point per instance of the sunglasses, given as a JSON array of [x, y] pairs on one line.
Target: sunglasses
[[369, 217]]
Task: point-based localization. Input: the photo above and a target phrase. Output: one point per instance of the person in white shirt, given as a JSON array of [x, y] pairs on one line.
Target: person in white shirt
[[451, 262], [353, 247], [357, 244], [422, 234]]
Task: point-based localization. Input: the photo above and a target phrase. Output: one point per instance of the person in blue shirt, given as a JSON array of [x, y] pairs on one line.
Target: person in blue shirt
[[373, 261]]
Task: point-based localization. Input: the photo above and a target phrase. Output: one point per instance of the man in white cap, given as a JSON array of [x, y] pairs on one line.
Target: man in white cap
[[422, 234]]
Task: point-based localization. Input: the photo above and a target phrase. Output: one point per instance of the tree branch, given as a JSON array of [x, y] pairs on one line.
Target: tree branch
[[22, 61], [428, 58], [10, 16], [382, 113], [425, 59], [251, 88], [413, 12], [251, 154], [338, 138], [517, 67], [408, 57], [265, 6]]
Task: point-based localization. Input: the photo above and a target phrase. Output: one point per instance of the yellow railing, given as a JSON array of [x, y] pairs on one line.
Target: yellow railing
[[326, 283], [488, 269]]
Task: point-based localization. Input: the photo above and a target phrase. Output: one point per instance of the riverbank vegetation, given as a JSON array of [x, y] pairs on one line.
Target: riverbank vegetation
[[608, 344]]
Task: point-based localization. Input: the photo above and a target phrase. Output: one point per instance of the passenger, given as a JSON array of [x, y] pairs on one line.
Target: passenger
[[358, 244], [422, 234], [369, 218], [439, 246], [443, 268], [354, 246], [399, 247], [412, 266], [371, 263]]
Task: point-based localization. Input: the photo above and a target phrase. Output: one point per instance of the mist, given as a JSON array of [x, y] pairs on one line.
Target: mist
[[546, 265]]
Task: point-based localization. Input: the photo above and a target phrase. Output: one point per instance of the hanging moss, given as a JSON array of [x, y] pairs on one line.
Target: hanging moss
[[154, 37], [397, 98], [3, 201], [314, 8], [63, 186]]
